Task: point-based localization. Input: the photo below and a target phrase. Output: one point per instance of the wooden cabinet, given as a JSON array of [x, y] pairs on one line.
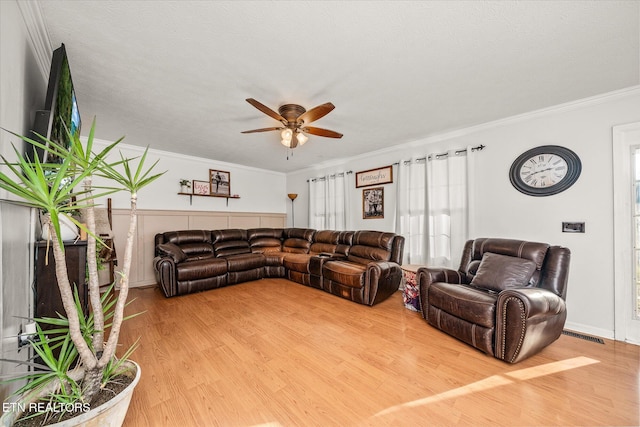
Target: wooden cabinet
[[47, 295]]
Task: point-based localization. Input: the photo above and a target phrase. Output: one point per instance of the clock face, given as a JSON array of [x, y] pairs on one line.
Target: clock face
[[545, 170]]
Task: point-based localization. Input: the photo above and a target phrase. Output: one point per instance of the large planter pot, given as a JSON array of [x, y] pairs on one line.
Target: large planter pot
[[109, 414]]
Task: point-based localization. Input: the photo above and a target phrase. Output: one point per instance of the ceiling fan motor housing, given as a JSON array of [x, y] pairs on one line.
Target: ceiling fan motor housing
[[291, 112]]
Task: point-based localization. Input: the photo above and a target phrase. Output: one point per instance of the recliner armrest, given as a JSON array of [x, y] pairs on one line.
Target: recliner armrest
[[536, 301], [428, 275], [527, 320]]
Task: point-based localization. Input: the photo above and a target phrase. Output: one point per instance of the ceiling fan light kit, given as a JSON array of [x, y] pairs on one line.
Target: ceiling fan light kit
[[294, 119]]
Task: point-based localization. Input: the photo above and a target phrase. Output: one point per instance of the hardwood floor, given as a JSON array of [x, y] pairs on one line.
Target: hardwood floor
[[276, 353]]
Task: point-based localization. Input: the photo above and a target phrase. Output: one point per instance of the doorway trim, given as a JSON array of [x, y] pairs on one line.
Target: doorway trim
[[624, 137]]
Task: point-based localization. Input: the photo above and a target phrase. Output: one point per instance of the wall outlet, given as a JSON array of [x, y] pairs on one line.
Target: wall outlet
[[28, 335]]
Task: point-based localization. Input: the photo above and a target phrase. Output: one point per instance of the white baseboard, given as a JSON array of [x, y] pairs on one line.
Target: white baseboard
[[589, 330]]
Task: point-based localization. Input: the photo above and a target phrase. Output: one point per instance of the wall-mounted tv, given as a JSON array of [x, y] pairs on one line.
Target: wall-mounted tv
[[60, 109]]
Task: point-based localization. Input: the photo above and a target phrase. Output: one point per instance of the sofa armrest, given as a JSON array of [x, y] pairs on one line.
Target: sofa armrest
[[165, 271], [383, 279], [527, 320]]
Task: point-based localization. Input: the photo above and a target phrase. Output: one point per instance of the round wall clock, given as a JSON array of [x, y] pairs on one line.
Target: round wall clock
[[545, 170]]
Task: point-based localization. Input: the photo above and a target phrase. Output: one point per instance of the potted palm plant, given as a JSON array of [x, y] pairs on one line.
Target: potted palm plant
[[87, 361]]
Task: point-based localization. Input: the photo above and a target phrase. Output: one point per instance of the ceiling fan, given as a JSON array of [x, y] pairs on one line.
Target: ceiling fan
[[294, 119]]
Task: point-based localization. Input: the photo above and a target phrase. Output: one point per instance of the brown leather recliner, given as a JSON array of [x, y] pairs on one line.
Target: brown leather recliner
[[268, 242], [306, 268], [242, 264], [371, 271], [506, 299], [177, 277]]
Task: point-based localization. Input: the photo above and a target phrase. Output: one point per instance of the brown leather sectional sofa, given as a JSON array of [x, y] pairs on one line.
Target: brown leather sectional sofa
[[362, 266]]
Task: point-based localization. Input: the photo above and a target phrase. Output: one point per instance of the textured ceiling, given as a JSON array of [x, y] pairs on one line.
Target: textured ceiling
[[174, 75]]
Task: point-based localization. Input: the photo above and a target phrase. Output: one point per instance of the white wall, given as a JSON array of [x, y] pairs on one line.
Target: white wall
[[501, 211], [22, 92], [259, 190]]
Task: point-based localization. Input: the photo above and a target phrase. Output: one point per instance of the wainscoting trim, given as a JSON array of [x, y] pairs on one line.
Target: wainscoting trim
[[151, 222]]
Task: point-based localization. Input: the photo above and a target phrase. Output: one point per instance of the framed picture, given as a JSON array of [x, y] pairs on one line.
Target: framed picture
[[374, 177], [201, 187], [220, 183], [373, 203]]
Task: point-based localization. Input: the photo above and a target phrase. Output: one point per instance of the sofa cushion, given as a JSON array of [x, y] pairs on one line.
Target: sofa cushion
[[297, 262], [464, 302], [264, 240], [371, 246], [365, 254], [499, 272], [242, 262], [230, 242], [172, 251], [187, 236], [325, 241], [322, 248], [199, 269], [232, 247], [274, 259], [344, 272], [197, 250], [297, 240]]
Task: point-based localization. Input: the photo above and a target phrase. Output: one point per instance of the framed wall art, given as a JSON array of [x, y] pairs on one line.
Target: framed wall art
[[201, 187], [220, 183], [373, 203], [374, 177]]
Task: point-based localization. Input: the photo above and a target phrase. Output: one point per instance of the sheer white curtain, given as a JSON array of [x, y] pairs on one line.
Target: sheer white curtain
[[434, 197], [411, 218], [329, 202]]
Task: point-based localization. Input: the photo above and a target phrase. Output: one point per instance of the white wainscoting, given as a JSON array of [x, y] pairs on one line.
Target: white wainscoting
[[151, 222]]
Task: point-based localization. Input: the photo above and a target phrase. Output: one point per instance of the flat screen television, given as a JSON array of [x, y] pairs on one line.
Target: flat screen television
[[60, 109]]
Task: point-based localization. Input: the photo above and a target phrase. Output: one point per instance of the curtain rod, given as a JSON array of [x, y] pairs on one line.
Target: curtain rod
[[443, 155], [322, 178], [437, 156]]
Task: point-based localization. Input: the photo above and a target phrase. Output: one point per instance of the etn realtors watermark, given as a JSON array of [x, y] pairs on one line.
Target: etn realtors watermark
[[51, 407]]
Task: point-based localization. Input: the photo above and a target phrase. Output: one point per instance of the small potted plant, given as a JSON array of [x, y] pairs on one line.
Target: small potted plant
[[86, 343], [185, 186]]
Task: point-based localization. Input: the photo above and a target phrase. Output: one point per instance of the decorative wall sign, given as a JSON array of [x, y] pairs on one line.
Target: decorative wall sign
[[374, 177], [373, 203], [220, 182], [201, 187]]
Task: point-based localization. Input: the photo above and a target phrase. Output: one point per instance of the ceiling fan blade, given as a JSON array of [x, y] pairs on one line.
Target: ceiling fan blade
[[262, 130], [321, 132], [316, 113], [268, 111]]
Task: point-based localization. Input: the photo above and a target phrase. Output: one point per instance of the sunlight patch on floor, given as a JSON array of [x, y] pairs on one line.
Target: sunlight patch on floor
[[496, 381], [551, 368]]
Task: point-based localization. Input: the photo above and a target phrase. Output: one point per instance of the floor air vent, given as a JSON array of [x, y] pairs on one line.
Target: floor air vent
[[583, 337]]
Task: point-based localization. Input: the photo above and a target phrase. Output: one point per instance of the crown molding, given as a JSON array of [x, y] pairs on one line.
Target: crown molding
[[38, 34], [457, 133], [207, 162]]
